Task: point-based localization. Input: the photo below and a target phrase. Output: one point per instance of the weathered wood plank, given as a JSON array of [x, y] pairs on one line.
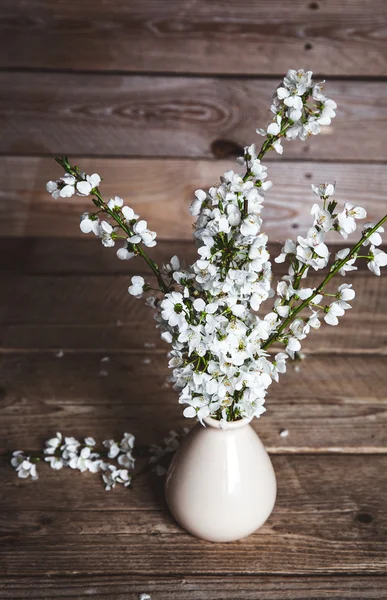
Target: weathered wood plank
[[329, 518], [343, 38], [168, 116], [80, 394], [86, 256], [97, 313], [161, 191], [126, 587]]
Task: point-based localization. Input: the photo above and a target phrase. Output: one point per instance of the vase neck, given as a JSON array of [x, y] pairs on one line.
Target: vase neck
[[229, 425]]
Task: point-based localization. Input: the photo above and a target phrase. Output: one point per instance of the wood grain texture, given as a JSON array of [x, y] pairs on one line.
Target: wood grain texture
[[161, 191], [75, 312], [127, 587], [120, 115], [329, 518], [341, 38], [104, 395], [84, 256]]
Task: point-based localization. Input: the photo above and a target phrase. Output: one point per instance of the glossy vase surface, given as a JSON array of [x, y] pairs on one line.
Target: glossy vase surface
[[221, 485]]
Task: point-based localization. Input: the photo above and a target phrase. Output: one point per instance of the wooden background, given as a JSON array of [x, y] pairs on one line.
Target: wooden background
[[159, 97]]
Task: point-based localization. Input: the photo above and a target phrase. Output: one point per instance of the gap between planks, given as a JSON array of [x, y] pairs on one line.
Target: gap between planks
[[272, 76], [160, 352]]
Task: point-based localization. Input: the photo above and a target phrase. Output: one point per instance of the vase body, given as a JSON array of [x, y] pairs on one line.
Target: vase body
[[221, 485]]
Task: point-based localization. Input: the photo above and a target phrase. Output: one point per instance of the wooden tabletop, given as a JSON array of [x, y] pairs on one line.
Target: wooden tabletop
[[159, 98]]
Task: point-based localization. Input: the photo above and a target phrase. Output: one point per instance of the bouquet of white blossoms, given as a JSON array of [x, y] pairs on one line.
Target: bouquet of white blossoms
[[208, 312]]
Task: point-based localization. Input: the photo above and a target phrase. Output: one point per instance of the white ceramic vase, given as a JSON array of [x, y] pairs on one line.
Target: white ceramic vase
[[221, 485]]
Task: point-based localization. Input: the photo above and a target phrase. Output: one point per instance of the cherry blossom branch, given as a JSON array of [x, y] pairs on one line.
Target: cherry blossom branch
[[101, 204], [333, 271]]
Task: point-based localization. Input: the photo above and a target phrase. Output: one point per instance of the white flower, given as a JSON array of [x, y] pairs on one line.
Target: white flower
[[137, 287], [85, 187], [173, 309], [200, 197], [113, 476], [314, 321], [293, 345], [124, 254], [346, 219], [173, 265], [277, 145], [304, 293], [129, 214], [167, 337], [113, 447], [322, 218], [379, 259], [127, 442], [115, 203], [199, 305], [279, 365], [126, 460], [251, 225], [318, 91], [375, 238], [83, 462], [67, 188], [189, 412], [204, 271], [143, 234], [324, 190], [63, 187], [53, 189], [328, 112], [298, 82], [288, 248], [275, 127], [23, 465], [334, 311], [348, 266], [306, 255], [69, 448], [106, 233], [345, 293], [53, 444], [55, 462], [90, 223]]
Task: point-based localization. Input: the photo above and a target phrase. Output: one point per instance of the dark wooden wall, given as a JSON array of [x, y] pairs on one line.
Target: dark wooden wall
[[163, 88], [159, 97]]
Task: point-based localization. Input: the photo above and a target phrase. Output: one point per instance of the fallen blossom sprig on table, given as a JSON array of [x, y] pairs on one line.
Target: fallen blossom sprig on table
[[60, 452], [208, 311]]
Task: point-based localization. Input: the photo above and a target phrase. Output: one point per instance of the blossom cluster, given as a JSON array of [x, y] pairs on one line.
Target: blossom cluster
[[208, 312], [62, 452], [300, 107], [86, 185]]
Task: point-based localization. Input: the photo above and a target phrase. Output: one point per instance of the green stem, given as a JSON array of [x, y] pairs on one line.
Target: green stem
[[268, 144], [334, 269], [298, 278]]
